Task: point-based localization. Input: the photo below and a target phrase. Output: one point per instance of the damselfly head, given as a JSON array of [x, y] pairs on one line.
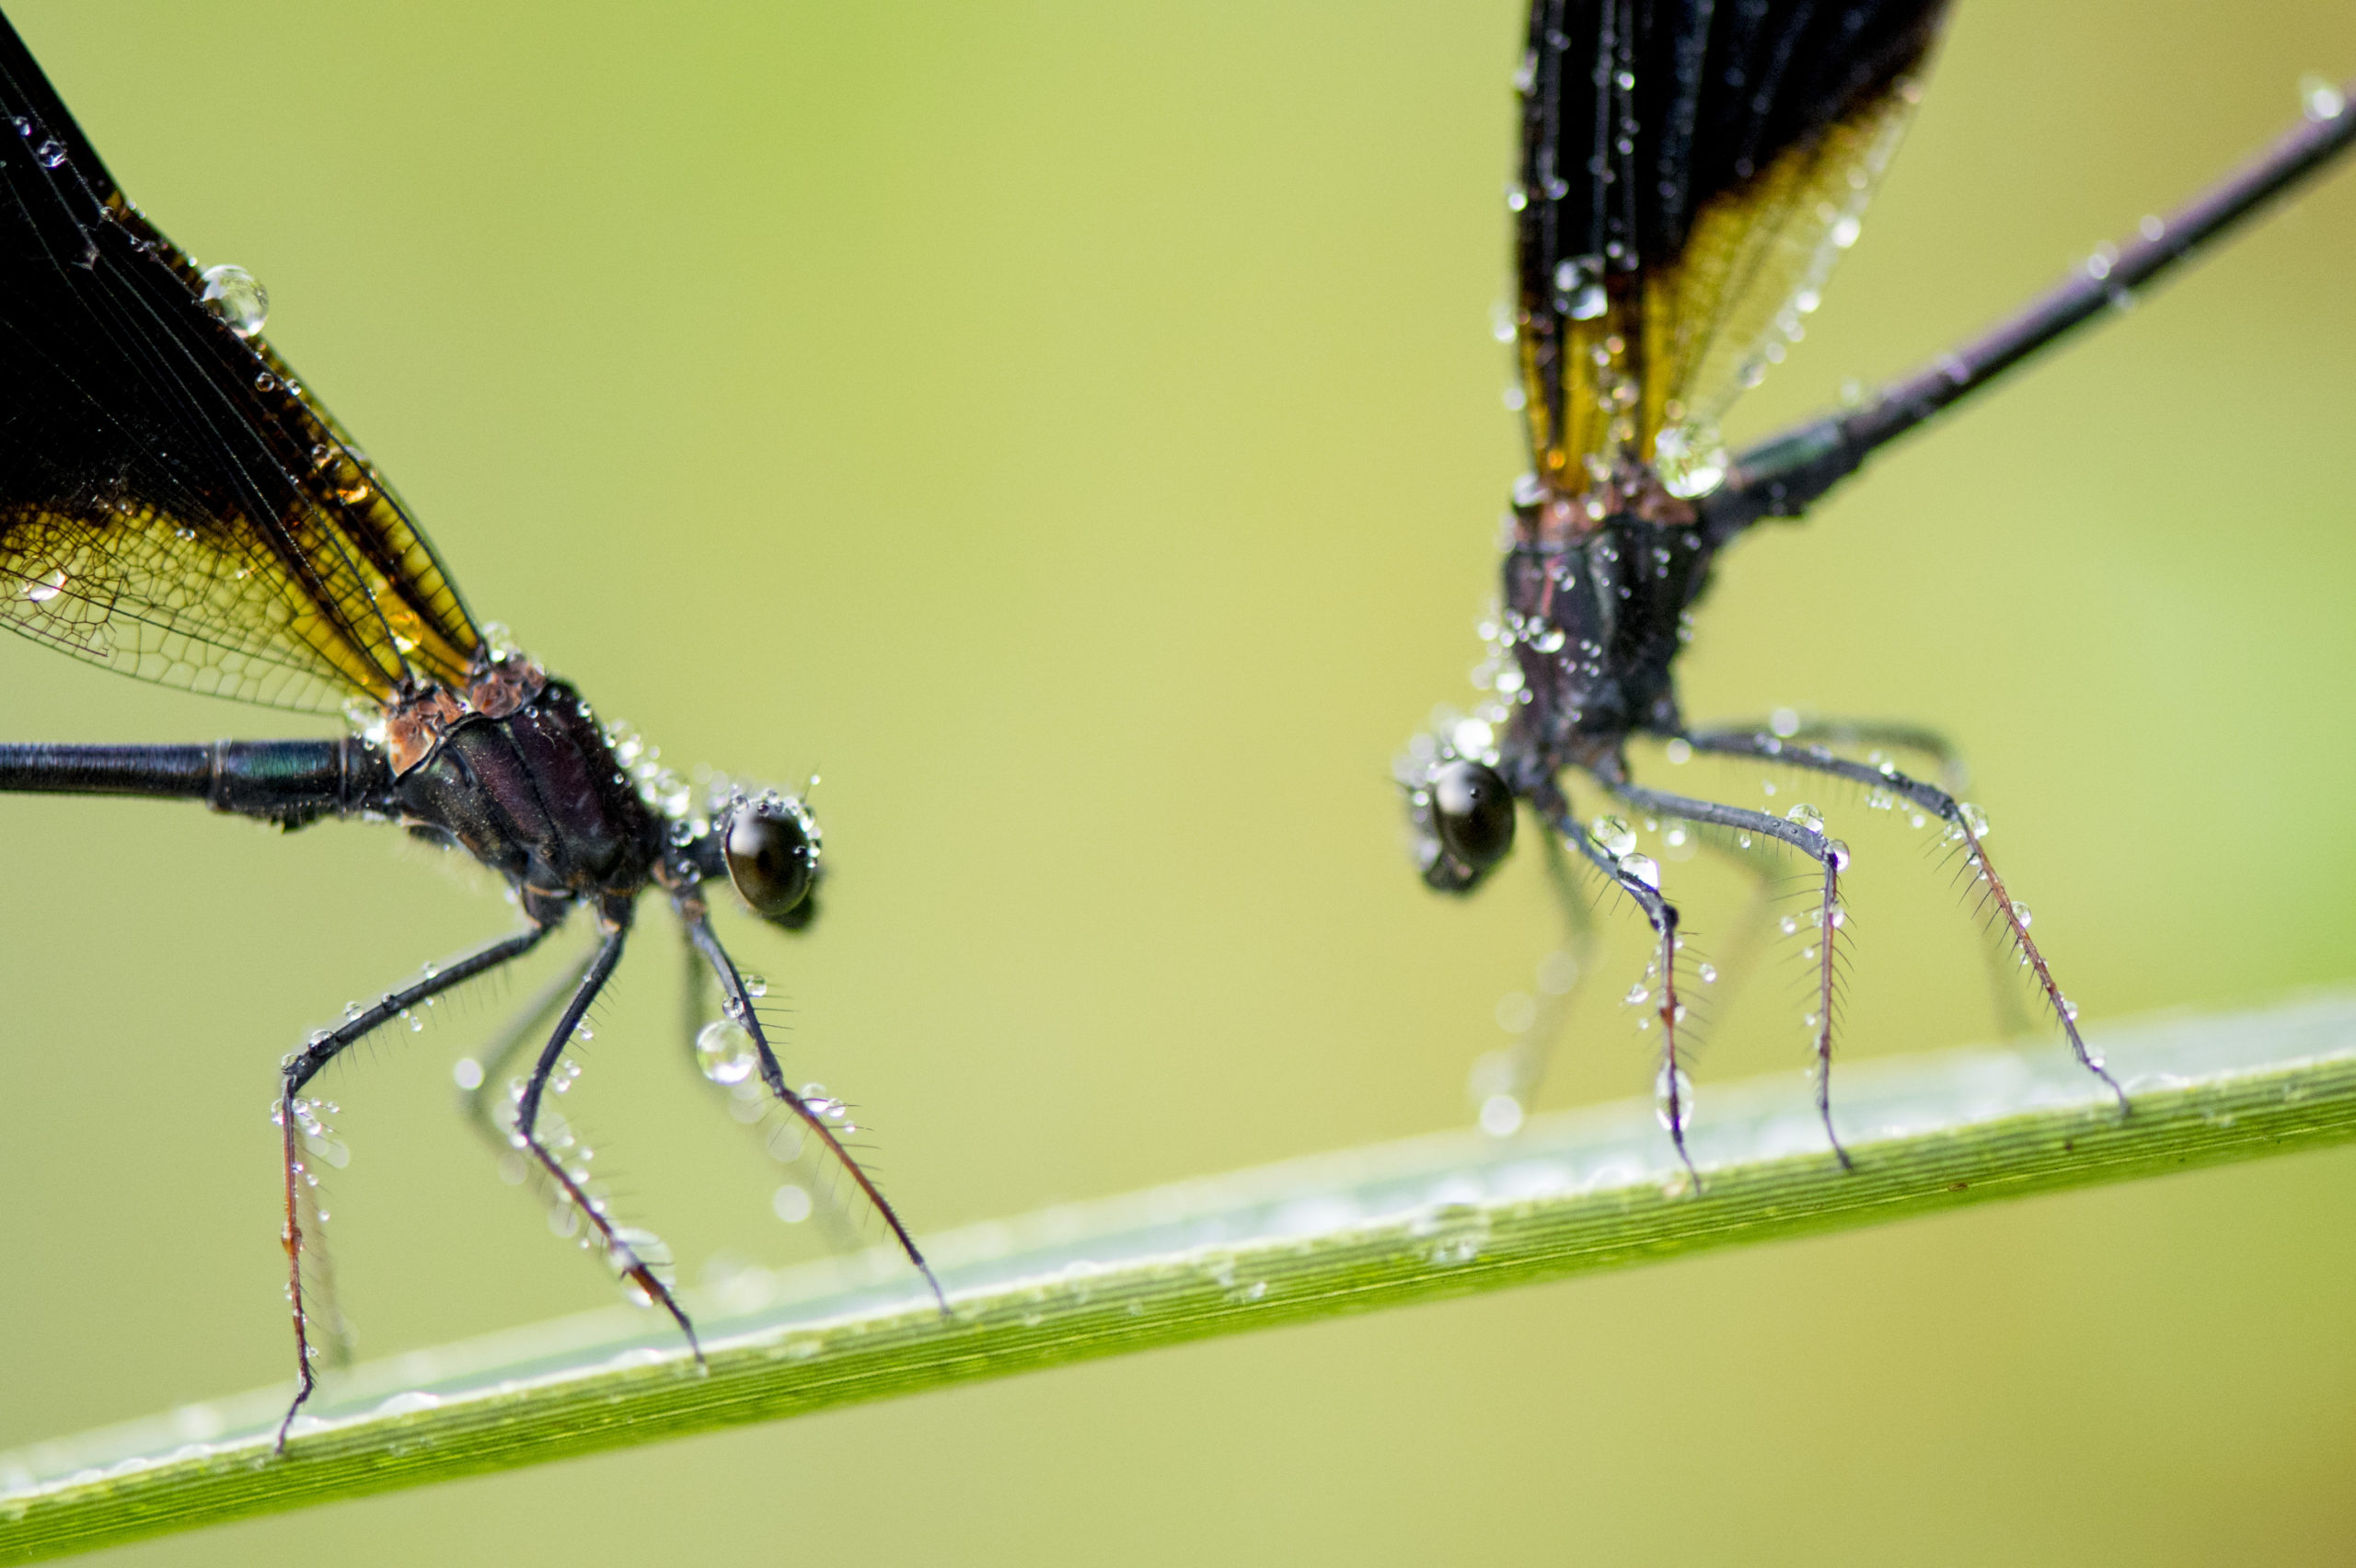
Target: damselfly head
[[1459, 815]]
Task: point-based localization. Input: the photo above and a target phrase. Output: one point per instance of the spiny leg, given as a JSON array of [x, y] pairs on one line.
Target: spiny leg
[[1896, 733], [1832, 856], [305, 1066], [1661, 915], [483, 1100], [1767, 872], [625, 1257], [739, 1009], [1966, 827], [835, 1218], [332, 1344]]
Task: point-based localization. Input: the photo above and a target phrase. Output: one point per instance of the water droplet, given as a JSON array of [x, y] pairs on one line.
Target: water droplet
[[633, 1248], [1807, 818], [1678, 752], [1501, 1116], [50, 153], [412, 1401], [790, 1203], [1640, 868], [1836, 852], [1612, 834], [1450, 1233], [1557, 972], [1638, 995], [236, 297], [1580, 283], [754, 986], [1707, 973], [725, 1053], [467, 1073], [2020, 914], [1690, 460], [2318, 99], [1673, 1085], [1789, 925], [47, 587], [1845, 231], [1973, 818], [1767, 786], [1784, 722]]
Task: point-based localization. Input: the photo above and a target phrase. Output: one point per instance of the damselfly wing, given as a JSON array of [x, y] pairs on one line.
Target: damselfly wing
[[1689, 176], [175, 505]]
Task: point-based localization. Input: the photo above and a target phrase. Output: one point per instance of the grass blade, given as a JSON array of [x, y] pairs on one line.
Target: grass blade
[[1291, 1243]]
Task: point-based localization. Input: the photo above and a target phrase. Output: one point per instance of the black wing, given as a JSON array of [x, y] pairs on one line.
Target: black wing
[[1690, 171], [173, 504]]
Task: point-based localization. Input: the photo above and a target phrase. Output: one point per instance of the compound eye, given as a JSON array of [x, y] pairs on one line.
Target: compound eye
[[772, 859], [1472, 813]]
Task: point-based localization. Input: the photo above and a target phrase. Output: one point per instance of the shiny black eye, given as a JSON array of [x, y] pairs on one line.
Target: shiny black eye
[[1472, 813], [772, 859]]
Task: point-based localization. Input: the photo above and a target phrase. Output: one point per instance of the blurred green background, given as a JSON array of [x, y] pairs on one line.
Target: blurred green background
[[1074, 431]]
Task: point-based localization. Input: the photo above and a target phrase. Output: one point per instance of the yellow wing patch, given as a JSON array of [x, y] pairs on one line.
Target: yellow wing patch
[[1653, 359]]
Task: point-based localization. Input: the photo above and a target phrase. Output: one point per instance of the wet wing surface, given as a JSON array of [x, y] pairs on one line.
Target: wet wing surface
[[173, 504], [1689, 174]]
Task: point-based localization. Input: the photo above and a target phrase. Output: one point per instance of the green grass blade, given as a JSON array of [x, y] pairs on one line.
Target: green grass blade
[[1291, 1243]]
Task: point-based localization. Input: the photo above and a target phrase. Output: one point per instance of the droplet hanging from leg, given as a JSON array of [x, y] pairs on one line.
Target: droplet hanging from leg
[[1627, 872], [736, 1003], [1803, 831]]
